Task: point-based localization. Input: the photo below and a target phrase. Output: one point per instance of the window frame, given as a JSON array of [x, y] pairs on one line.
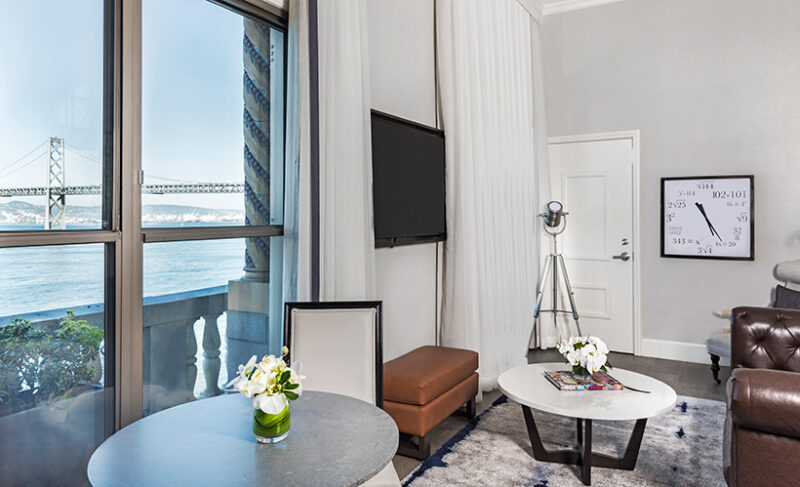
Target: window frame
[[131, 403], [109, 232], [121, 230]]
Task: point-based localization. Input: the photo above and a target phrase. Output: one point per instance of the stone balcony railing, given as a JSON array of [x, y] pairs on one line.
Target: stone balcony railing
[[170, 334], [169, 341]]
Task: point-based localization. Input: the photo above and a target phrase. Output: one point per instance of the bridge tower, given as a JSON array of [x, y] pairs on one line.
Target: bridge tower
[[55, 212]]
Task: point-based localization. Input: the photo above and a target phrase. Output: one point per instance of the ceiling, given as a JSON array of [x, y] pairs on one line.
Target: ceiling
[[550, 7]]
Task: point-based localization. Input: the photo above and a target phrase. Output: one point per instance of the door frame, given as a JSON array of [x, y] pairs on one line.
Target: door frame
[[633, 136]]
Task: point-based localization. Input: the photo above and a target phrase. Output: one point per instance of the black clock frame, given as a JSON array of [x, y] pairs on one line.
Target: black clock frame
[[713, 257]]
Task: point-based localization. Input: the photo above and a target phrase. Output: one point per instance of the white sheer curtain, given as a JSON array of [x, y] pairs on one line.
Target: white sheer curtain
[[346, 241], [547, 335], [297, 208], [347, 248], [491, 255]]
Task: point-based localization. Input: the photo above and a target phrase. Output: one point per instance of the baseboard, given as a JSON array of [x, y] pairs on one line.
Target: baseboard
[[682, 351]]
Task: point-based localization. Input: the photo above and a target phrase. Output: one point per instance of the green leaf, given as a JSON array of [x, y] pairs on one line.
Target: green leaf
[[291, 395], [285, 376], [578, 370], [292, 386]]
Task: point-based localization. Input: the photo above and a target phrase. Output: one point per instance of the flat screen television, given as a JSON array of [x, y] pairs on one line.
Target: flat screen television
[[408, 181]]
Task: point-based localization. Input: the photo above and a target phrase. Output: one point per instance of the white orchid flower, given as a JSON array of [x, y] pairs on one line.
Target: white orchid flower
[[270, 404], [244, 370], [297, 366], [573, 357], [588, 352], [260, 380], [256, 385], [271, 362]]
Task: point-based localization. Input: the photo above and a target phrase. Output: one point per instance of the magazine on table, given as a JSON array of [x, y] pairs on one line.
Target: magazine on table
[[565, 380]]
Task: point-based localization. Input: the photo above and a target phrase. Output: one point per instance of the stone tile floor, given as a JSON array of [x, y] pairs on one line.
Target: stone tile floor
[[686, 378]]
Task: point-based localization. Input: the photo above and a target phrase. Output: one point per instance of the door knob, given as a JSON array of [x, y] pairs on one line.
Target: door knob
[[623, 256]]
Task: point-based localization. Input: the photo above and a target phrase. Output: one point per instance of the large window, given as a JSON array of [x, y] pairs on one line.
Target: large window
[[51, 114], [212, 116], [115, 233], [53, 350], [212, 159], [57, 328], [194, 313]]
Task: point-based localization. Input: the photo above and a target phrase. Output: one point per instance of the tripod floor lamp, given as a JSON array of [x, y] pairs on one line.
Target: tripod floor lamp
[[555, 221]]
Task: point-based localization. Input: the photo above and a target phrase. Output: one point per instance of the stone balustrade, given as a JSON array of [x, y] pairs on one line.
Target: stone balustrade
[[169, 340]]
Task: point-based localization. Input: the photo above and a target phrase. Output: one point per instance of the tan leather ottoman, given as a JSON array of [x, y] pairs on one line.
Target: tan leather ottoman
[[423, 387]]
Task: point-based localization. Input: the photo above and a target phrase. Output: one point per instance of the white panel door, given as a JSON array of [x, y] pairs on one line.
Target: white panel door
[[594, 181]]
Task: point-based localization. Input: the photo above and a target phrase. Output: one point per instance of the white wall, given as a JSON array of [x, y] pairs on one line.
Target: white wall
[[714, 87], [402, 79]]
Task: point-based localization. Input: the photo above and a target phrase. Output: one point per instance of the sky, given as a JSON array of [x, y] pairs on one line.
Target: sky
[[51, 85]]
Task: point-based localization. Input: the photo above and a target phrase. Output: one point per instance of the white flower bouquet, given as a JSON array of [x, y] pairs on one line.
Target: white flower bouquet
[[586, 354], [271, 384]]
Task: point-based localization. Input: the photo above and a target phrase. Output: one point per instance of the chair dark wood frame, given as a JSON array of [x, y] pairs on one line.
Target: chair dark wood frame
[[339, 305], [715, 368]]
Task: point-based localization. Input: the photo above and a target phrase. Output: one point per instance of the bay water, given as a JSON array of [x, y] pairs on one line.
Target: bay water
[[62, 277]]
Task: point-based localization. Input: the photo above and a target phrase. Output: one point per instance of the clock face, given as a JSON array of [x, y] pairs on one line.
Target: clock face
[[707, 217]]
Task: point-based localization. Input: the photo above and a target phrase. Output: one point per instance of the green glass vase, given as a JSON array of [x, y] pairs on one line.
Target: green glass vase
[[271, 428]]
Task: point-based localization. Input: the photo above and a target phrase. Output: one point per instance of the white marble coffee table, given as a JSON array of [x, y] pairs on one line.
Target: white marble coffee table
[[527, 386]]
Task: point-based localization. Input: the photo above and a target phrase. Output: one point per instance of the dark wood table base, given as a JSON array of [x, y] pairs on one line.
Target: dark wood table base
[[583, 455]]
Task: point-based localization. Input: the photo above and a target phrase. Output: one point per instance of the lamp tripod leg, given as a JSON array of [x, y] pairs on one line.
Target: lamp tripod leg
[[539, 294], [555, 297], [542, 282], [570, 293]]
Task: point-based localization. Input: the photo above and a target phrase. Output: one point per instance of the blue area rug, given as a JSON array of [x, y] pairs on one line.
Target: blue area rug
[[680, 448]]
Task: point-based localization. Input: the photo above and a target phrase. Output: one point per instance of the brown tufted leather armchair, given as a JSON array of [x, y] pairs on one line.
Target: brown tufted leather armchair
[[762, 427]]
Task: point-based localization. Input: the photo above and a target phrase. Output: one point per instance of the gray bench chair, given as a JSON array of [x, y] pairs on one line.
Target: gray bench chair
[[788, 272], [718, 346]]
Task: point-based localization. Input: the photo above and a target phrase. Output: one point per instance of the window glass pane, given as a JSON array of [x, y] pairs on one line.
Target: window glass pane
[[212, 116], [202, 317], [51, 114], [52, 363]]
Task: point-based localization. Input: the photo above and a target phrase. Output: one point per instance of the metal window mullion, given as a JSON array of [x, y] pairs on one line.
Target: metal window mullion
[[262, 11], [129, 264], [69, 237], [111, 114], [112, 188], [150, 235]]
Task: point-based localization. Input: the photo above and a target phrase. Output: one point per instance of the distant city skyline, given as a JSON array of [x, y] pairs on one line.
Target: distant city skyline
[[51, 85]]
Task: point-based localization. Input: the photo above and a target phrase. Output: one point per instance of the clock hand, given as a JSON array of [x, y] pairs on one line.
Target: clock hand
[[703, 212], [710, 226], [715, 232]]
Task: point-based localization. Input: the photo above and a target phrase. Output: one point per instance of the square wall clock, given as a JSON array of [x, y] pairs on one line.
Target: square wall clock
[[707, 217]]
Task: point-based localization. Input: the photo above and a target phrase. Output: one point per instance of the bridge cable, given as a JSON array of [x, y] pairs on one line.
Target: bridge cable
[[23, 157], [44, 153], [183, 181], [85, 155]]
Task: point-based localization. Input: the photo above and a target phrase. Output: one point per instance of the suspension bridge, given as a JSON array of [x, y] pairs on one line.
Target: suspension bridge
[[56, 190]]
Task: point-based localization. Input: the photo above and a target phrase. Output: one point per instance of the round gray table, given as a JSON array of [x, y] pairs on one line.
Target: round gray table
[[334, 440]]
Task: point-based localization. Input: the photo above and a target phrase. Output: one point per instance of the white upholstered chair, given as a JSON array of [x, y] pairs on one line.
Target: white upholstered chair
[[340, 346]]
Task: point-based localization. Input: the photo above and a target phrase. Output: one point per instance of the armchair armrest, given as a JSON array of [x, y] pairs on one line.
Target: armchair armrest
[[765, 400], [724, 313]]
